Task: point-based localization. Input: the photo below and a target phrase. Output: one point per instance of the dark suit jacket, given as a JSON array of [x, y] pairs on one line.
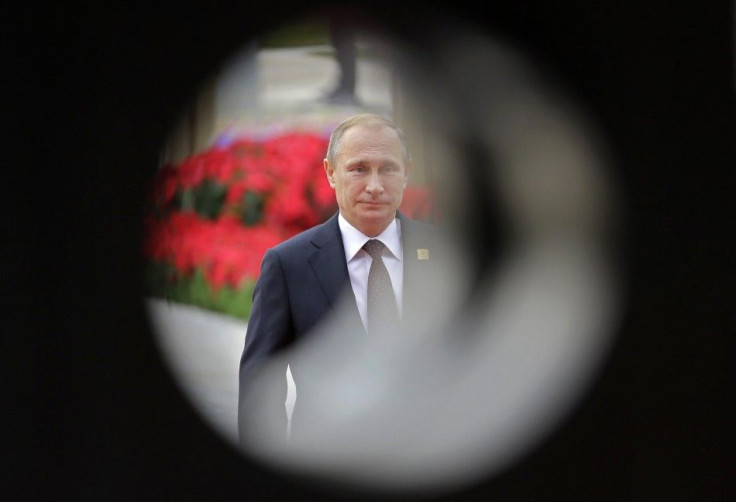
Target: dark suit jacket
[[302, 280]]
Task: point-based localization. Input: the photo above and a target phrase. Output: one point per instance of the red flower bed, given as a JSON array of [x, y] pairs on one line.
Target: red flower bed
[[224, 249]]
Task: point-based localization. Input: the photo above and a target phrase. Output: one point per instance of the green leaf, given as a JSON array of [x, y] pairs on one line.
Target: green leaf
[[208, 199], [185, 199], [252, 208]]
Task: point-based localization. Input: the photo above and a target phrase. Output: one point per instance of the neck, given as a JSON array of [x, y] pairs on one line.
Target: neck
[[370, 230]]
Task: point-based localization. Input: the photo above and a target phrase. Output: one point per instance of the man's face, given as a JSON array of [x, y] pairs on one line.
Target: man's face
[[369, 176]]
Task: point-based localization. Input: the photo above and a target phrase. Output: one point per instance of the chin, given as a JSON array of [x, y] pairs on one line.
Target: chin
[[376, 217], [373, 226]]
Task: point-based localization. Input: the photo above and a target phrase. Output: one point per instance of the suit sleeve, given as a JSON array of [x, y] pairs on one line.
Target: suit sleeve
[[270, 329]]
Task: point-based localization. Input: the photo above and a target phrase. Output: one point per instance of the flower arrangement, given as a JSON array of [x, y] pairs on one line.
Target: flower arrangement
[[212, 217]]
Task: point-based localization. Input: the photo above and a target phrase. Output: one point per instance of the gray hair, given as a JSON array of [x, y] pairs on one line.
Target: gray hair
[[333, 149]]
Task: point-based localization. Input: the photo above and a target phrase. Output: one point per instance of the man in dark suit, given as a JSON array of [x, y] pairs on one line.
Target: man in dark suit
[[334, 268]]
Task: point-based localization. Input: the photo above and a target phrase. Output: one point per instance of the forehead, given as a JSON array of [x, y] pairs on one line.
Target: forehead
[[370, 139]]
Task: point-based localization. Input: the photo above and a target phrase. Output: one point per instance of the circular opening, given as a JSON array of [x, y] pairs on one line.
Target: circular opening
[[514, 318]]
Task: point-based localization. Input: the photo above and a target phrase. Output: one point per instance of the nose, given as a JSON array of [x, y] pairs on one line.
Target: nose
[[374, 185]]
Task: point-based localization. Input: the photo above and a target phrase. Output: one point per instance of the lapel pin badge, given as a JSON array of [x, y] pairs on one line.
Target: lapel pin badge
[[422, 254]]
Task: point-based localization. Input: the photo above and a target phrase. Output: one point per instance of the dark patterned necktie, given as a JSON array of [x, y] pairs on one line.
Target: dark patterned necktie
[[383, 314]]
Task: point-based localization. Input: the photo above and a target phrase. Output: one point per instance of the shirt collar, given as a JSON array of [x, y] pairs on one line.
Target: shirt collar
[[353, 239]]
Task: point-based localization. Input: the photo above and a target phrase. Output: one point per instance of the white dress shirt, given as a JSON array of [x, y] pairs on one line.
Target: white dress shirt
[[359, 261]]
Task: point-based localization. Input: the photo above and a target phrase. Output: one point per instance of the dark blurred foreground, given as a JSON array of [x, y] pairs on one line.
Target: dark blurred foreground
[[94, 412]]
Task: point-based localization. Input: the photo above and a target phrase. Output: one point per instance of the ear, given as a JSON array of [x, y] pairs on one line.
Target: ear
[[330, 171], [407, 171]]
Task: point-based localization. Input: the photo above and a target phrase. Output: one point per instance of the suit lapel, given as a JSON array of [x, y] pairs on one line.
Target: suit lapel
[[409, 246], [328, 260], [331, 270]]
